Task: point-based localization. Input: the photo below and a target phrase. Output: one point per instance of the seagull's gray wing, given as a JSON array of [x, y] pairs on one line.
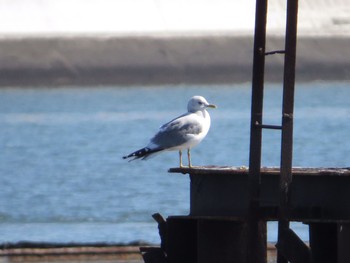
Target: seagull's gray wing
[[175, 132]]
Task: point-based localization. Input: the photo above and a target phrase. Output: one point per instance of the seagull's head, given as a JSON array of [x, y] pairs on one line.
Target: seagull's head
[[198, 103]]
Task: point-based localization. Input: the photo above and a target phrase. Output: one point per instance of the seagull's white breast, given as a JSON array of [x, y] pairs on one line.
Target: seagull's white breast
[[193, 139]]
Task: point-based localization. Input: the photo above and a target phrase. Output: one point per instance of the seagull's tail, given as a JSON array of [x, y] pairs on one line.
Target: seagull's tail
[[143, 153]]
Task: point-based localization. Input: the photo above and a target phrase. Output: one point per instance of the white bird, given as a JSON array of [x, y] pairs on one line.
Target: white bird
[[183, 132]]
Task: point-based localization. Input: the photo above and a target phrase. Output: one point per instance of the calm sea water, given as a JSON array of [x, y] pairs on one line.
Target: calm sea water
[[63, 178]]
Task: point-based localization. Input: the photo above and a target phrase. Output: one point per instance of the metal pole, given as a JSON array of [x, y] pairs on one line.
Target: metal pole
[[287, 119], [256, 244], [257, 99]]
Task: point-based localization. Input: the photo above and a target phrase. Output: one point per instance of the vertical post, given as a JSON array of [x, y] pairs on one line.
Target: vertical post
[[287, 119], [343, 243], [324, 242], [257, 246], [257, 96]]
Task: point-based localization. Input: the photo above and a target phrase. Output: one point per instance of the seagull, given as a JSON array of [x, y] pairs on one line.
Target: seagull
[[183, 132]]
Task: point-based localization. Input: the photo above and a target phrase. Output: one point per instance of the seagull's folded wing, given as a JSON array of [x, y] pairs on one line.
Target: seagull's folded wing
[[177, 132]]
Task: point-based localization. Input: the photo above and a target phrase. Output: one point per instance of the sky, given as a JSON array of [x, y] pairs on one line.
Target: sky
[[164, 16]]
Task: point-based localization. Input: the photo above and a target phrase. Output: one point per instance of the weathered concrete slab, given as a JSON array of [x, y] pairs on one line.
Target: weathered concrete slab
[[159, 59]]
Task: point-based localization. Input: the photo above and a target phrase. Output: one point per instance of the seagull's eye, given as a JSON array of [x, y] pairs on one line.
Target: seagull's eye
[[200, 103]]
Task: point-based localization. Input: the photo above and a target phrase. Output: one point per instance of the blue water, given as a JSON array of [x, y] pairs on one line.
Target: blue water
[[63, 178]]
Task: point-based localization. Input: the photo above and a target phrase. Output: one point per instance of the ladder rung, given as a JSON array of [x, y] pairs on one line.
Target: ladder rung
[[267, 126], [275, 52]]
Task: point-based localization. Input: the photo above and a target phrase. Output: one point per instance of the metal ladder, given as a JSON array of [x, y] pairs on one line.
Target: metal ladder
[[290, 247]]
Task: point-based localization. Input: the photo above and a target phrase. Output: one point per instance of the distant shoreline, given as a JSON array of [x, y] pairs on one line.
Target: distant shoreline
[[162, 59]]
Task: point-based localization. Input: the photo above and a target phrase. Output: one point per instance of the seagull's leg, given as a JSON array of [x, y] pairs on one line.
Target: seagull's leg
[[180, 156], [189, 158]]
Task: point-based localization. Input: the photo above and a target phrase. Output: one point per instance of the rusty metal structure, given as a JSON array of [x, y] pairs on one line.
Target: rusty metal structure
[[230, 206]]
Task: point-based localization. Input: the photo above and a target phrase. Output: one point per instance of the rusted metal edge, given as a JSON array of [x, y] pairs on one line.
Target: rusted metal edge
[[243, 219], [211, 218], [243, 170]]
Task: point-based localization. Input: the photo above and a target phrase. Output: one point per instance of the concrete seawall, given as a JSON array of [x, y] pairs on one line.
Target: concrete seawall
[[159, 59], [92, 254]]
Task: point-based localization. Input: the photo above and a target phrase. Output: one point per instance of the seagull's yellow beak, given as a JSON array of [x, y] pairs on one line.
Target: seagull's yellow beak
[[212, 106]]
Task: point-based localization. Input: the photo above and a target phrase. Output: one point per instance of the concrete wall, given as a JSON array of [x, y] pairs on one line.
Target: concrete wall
[[157, 59]]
